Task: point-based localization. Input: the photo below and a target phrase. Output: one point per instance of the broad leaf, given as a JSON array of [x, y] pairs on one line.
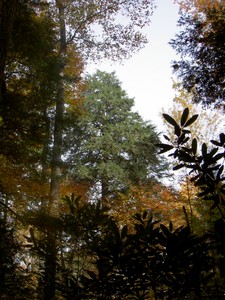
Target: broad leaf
[[222, 138], [184, 116], [191, 120], [216, 143], [165, 231], [194, 146], [178, 167], [166, 137], [170, 120], [204, 149], [165, 147], [124, 232], [177, 130]]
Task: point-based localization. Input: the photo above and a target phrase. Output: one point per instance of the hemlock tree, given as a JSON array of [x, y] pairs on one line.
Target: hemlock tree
[[79, 23], [113, 147]]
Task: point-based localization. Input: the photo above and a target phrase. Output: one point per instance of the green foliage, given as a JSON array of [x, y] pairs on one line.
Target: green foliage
[[118, 39], [111, 144], [31, 78]]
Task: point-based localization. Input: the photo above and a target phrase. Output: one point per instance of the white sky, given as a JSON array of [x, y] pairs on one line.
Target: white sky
[[147, 76]]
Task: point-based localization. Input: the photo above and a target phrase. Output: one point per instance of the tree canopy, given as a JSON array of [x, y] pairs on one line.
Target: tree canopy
[[112, 145], [80, 188], [44, 45], [201, 46]]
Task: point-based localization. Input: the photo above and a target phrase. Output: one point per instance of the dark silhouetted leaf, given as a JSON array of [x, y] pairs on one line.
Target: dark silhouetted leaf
[[181, 139], [185, 156], [218, 157], [184, 116], [194, 146], [165, 147], [216, 143], [170, 120], [166, 137], [171, 226], [145, 213], [219, 173], [178, 167], [177, 130], [165, 231], [216, 202], [195, 178], [222, 138], [124, 232], [204, 149], [191, 120]]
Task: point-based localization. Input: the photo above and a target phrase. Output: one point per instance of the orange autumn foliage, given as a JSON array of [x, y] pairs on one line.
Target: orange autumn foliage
[[15, 181], [69, 187], [164, 203], [196, 6], [73, 73], [19, 192]]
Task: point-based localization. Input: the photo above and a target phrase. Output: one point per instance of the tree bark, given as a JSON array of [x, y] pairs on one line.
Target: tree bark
[[58, 125], [56, 163]]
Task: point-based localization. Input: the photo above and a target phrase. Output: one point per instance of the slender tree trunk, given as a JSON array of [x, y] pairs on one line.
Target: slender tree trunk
[[58, 126], [56, 163]]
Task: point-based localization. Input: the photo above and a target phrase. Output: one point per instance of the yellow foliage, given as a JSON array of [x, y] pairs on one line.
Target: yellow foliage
[[76, 86], [205, 128]]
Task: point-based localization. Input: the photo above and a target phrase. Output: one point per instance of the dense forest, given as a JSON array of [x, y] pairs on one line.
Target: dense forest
[[94, 202]]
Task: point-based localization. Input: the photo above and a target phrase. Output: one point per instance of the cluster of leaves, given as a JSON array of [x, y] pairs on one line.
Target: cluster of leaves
[[99, 259], [151, 261], [206, 168], [164, 201]]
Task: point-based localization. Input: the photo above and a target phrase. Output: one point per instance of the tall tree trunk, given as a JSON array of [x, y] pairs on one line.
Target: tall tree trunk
[[56, 163], [58, 126]]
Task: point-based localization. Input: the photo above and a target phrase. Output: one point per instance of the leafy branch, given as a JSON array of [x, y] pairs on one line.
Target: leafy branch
[[206, 166]]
